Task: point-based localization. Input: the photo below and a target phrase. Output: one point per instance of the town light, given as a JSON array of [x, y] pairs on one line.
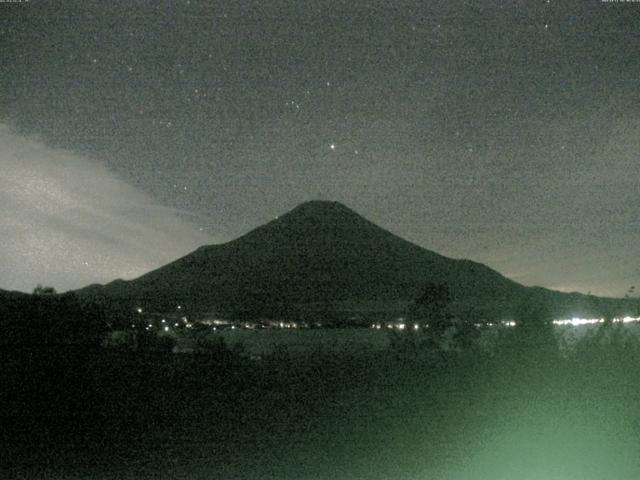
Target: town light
[[578, 321]]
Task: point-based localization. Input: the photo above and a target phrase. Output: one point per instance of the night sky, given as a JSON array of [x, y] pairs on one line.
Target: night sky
[[506, 132]]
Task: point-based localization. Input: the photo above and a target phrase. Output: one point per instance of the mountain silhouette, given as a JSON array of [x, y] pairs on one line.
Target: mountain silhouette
[[323, 257]]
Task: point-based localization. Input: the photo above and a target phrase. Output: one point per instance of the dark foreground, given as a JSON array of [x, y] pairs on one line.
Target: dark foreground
[[518, 411]]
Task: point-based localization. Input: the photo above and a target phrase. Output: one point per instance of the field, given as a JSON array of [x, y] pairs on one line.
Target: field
[[522, 409]]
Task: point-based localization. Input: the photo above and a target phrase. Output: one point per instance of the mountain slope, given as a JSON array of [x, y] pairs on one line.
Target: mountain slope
[[321, 256]]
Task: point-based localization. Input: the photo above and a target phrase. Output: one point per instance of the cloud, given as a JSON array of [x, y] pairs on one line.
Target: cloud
[[67, 221]]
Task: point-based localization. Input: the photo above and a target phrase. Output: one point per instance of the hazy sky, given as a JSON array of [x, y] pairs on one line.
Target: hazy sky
[[507, 132]]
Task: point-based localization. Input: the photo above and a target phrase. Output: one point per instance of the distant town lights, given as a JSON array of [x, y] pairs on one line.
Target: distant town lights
[[578, 321], [512, 323], [591, 321]]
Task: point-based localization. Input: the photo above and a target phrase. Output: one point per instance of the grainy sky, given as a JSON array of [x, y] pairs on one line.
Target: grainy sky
[[507, 132]]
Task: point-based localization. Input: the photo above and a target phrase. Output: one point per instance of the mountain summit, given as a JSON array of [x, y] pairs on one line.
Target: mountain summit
[[320, 258]]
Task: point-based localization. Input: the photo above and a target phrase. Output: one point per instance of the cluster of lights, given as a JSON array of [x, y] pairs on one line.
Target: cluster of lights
[[184, 320], [164, 322], [575, 322], [399, 326], [288, 325], [591, 321]]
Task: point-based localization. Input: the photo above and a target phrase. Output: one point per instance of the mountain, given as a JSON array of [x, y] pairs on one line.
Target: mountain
[[319, 259]]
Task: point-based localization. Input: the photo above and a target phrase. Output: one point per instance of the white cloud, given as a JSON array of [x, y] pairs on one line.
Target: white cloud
[[67, 221]]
